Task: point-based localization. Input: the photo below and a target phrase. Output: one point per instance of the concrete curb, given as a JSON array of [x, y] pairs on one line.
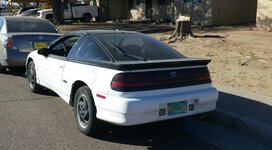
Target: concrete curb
[[242, 123]]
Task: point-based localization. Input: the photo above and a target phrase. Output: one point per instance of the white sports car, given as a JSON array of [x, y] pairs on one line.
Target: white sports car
[[125, 78]]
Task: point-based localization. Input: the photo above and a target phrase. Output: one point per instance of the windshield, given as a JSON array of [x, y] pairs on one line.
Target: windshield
[[27, 12], [30, 12], [30, 25], [134, 46]]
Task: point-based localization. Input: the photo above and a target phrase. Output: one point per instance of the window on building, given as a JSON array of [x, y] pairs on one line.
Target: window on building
[[192, 1], [133, 4]]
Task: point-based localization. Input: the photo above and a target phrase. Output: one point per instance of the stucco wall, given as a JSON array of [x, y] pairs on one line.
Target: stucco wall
[[138, 13], [163, 12], [229, 12], [264, 13], [118, 9], [200, 13]]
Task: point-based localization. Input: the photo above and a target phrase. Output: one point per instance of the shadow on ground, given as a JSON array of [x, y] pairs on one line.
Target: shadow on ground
[[144, 28], [160, 135], [170, 134], [20, 72], [209, 36], [245, 106], [15, 72]]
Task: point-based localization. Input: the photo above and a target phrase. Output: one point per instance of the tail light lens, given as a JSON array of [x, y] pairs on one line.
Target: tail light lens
[[160, 79], [124, 80], [8, 43]]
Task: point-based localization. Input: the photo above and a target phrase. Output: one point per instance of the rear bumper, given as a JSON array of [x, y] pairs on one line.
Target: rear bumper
[[12, 63], [146, 109], [14, 58]]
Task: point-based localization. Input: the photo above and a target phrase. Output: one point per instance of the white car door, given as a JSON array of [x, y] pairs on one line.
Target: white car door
[[50, 71], [50, 68]]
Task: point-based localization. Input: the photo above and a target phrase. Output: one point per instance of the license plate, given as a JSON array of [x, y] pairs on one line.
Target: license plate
[[39, 45], [177, 108]]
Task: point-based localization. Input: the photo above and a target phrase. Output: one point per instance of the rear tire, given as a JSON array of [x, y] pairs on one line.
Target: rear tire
[[86, 17], [31, 77], [85, 112]]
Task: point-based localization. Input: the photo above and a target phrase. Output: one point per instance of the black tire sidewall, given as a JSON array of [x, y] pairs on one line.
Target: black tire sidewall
[[90, 129], [35, 87], [3, 69], [86, 17]]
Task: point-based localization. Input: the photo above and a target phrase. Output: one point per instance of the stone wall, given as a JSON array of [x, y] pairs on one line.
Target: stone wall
[[264, 13]]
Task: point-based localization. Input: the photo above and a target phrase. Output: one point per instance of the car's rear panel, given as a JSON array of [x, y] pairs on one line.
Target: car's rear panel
[[154, 94], [28, 42], [24, 43]]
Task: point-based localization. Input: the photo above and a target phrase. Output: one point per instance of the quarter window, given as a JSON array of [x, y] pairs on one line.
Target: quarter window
[[91, 51]]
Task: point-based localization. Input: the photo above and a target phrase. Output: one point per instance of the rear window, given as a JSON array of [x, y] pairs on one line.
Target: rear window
[[30, 25], [134, 46]]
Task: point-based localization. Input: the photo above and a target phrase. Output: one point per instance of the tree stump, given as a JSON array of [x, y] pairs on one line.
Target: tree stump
[[183, 28]]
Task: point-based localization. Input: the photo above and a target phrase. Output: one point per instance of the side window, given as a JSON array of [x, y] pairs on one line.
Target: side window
[[90, 51], [63, 48], [58, 50]]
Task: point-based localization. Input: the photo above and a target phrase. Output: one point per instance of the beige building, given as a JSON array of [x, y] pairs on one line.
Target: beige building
[[264, 13], [158, 10], [204, 12], [229, 12]]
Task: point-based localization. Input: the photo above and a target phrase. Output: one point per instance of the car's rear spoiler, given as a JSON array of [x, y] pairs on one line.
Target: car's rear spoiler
[[152, 64], [149, 64]]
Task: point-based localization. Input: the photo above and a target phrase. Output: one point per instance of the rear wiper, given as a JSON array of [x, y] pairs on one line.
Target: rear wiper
[[126, 54]]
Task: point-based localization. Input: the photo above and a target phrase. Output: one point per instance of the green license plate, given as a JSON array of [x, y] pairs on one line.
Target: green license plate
[[39, 45], [177, 108]]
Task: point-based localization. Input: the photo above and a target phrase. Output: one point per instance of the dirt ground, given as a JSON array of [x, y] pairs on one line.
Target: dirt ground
[[241, 58]]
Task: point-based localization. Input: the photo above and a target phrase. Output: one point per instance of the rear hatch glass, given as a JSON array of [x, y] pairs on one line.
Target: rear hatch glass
[[134, 46], [30, 25]]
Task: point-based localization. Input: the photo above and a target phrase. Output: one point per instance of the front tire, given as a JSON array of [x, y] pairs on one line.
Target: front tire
[[31, 77], [85, 112], [3, 69]]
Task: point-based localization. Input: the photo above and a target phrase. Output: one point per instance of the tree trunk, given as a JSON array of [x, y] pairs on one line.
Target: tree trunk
[[58, 9]]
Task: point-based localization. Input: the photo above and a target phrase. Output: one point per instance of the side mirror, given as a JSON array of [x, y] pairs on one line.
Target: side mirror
[[43, 51]]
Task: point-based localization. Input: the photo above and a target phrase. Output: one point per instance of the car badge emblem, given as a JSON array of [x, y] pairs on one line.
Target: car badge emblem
[[173, 74], [40, 37]]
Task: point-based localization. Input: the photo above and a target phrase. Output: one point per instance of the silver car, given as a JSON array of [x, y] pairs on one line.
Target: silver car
[[21, 35]]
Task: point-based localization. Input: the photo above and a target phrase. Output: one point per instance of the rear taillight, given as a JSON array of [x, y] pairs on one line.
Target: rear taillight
[[8, 43], [160, 79]]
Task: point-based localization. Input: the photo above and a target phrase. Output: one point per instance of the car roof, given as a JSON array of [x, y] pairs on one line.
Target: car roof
[[97, 32], [21, 18], [34, 9], [43, 10]]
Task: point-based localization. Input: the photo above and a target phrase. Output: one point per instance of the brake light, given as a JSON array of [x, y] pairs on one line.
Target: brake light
[[9, 43], [160, 79], [129, 80]]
